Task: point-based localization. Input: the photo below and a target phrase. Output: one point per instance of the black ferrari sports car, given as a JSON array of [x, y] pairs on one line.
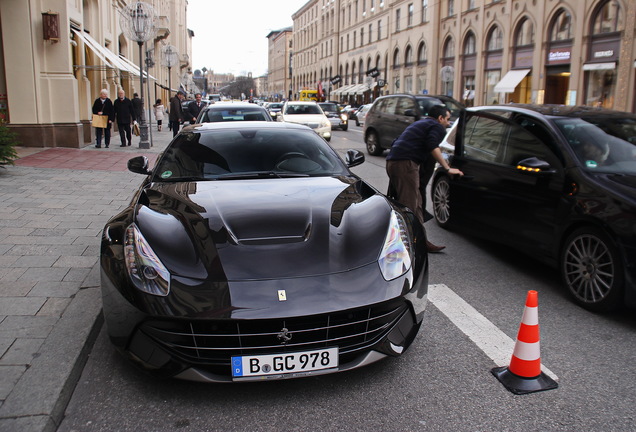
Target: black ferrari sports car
[[251, 252]]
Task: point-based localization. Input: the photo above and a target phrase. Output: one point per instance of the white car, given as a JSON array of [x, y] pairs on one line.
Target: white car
[[307, 113], [361, 114]]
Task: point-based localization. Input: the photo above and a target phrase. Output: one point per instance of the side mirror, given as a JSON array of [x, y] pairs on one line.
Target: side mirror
[[139, 165], [535, 165], [410, 113], [354, 158]]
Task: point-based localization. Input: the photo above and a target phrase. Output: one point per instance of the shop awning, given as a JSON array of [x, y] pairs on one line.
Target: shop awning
[[511, 80], [132, 65], [599, 66], [359, 89], [342, 90], [107, 56]]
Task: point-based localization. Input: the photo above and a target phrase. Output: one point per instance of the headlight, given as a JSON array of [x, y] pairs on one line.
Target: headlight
[[344, 117], [326, 123], [145, 269], [395, 258]]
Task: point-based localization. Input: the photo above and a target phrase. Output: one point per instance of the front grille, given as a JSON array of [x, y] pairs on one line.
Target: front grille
[[214, 342]]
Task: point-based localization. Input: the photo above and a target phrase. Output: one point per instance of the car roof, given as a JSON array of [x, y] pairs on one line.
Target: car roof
[[243, 125], [577, 111], [226, 104], [302, 102]]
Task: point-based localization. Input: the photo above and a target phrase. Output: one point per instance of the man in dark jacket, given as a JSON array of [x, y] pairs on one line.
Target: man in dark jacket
[[176, 116], [418, 145], [194, 108], [124, 113], [138, 107], [103, 106]]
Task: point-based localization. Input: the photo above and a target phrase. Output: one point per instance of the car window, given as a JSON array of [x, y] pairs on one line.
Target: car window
[[522, 144], [426, 104], [390, 105], [483, 138], [403, 105], [329, 107], [249, 153]]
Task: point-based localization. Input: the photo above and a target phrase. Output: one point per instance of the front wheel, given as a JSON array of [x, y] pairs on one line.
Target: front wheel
[[441, 201], [344, 127], [592, 270], [373, 144]]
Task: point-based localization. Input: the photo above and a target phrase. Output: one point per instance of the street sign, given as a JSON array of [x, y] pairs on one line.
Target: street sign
[[335, 80], [373, 72], [447, 73]]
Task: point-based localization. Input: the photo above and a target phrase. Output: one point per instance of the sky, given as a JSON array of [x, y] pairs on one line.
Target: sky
[[230, 36]]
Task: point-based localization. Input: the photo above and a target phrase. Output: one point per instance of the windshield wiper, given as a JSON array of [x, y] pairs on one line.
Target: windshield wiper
[[260, 174]]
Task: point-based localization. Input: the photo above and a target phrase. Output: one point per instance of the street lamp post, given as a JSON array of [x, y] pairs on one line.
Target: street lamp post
[[138, 23], [169, 59]]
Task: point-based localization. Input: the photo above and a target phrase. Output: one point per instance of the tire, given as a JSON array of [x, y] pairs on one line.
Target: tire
[[373, 144], [344, 127], [441, 202], [592, 270]]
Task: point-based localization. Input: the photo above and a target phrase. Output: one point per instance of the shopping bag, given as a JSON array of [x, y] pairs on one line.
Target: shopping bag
[[135, 129], [99, 121]]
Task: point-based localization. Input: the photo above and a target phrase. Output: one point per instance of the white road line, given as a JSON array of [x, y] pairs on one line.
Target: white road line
[[492, 341]]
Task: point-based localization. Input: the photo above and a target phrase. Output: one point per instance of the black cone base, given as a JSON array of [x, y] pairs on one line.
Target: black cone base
[[520, 385]]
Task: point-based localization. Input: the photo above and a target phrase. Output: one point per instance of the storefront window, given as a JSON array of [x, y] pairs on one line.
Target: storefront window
[[468, 98], [492, 78], [421, 82], [600, 88]]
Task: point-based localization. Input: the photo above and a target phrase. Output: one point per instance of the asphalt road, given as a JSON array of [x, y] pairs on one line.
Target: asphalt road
[[443, 383]]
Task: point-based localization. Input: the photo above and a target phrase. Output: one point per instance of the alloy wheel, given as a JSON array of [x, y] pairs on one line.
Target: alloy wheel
[[591, 270], [441, 202]]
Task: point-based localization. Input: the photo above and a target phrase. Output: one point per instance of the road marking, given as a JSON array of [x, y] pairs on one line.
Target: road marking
[[492, 341]]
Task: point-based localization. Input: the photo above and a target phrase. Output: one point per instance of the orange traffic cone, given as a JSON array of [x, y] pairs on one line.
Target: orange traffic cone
[[524, 373]]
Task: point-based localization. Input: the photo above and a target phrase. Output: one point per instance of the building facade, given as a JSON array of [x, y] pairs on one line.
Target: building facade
[[56, 56], [477, 51], [279, 65]]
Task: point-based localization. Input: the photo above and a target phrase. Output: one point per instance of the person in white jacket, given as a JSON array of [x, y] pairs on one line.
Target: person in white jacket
[[159, 111]]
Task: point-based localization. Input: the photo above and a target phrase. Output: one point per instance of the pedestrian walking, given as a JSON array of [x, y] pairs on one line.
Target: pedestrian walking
[[416, 146], [138, 107], [176, 112], [160, 111], [103, 106], [194, 108], [124, 113]]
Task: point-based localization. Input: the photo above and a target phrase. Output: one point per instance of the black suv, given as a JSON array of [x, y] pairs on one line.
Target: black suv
[[390, 115]]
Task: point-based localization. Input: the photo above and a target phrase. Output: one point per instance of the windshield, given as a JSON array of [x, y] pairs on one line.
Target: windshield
[[303, 109], [247, 153], [606, 145]]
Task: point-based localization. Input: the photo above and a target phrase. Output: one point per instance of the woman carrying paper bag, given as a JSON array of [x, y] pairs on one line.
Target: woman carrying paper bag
[[103, 116]]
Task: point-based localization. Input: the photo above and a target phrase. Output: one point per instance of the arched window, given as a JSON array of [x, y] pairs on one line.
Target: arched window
[[449, 48], [525, 33], [609, 19], [561, 27], [470, 44], [396, 58], [361, 71], [353, 73], [408, 56], [495, 39], [421, 53]]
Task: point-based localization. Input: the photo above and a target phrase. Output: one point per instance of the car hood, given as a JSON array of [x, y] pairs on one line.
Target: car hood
[[262, 229]]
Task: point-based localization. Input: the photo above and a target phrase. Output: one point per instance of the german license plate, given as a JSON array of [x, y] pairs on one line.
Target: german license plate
[[288, 363]]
